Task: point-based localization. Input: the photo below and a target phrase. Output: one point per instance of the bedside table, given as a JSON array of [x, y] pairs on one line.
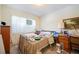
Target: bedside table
[[66, 42]]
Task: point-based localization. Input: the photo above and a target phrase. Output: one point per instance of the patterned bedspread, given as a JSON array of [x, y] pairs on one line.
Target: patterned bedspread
[[32, 47]]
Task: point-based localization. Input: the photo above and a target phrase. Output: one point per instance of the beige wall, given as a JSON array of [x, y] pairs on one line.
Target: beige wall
[[8, 12], [6, 16], [0, 11], [1, 41], [53, 21]]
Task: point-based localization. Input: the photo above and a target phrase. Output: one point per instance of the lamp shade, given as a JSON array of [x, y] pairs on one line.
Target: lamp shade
[[61, 24]]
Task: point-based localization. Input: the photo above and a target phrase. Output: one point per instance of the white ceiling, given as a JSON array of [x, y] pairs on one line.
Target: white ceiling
[[38, 10]]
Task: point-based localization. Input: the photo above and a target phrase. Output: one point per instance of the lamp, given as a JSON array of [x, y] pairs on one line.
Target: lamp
[[39, 4], [61, 26]]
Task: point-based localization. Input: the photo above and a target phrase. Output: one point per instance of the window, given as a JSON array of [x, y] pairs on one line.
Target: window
[[22, 25]]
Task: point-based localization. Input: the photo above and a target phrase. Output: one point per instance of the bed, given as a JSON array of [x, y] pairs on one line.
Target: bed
[[33, 47]]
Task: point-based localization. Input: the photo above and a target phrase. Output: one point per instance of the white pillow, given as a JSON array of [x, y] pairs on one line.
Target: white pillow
[[44, 33], [29, 35]]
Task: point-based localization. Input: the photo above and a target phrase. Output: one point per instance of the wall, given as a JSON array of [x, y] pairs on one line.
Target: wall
[[2, 51], [0, 11], [53, 21], [0, 16], [7, 12]]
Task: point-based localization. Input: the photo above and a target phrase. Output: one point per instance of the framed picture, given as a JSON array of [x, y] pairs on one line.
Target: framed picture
[[71, 23], [29, 22]]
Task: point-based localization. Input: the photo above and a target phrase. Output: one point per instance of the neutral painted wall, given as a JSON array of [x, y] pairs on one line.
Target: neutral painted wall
[[0, 11], [7, 12], [53, 21]]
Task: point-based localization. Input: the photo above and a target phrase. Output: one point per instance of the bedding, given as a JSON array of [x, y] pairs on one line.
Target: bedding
[[33, 46], [30, 35], [45, 33]]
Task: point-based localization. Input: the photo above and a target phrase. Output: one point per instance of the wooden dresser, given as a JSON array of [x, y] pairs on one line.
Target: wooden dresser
[[66, 42], [5, 32], [74, 41]]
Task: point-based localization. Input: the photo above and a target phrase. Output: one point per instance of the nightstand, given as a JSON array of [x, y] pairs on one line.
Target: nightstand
[[66, 42]]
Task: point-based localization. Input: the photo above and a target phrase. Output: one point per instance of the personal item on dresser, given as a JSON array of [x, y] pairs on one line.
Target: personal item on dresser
[[3, 23]]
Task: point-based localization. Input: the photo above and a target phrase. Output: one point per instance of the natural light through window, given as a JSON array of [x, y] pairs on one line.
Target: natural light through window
[[22, 25]]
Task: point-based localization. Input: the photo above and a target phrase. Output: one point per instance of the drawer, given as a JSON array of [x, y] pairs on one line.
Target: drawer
[[75, 40], [63, 40], [66, 45]]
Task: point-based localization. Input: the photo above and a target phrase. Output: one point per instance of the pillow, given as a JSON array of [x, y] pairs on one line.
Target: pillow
[[55, 34], [30, 35], [44, 33]]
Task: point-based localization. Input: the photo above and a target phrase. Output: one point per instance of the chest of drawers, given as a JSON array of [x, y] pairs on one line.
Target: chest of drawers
[[66, 42]]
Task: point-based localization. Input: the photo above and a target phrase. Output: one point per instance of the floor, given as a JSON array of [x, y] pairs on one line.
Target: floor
[[14, 49], [47, 50]]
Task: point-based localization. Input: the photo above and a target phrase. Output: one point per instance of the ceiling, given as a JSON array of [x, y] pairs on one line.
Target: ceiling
[[39, 10]]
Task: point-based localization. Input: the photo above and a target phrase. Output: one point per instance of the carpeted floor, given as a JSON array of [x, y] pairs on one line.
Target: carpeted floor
[[47, 50]]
